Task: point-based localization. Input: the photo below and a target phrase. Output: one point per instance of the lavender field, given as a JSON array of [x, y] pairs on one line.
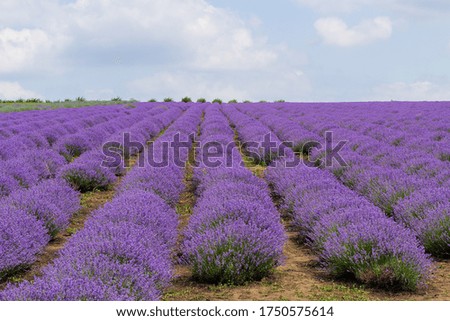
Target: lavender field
[[237, 201]]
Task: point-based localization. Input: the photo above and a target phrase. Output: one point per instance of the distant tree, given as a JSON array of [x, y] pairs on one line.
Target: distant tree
[[152, 100], [201, 100], [233, 101], [280, 101], [263, 101], [81, 99], [168, 100], [116, 99], [186, 100], [33, 100], [246, 101], [217, 101]]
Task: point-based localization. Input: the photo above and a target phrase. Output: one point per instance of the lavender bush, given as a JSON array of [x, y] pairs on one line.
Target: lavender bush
[[22, 237], [230, 241], [87, 174]]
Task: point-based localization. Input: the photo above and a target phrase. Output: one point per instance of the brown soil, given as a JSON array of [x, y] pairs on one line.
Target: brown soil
[[187, 199]]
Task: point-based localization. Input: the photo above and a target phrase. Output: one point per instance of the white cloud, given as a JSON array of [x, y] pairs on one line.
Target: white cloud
[[419, 90], [186, 46], [335, 31], [209, 37], [20, 49], [206, 37], [13, 91]]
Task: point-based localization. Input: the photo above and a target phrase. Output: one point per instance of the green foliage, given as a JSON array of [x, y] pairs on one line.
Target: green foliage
[[263, 101], [444, 157], [80, 98], [33, 100], [7, 106], [233, 101], [201, 100], [435, 238], [84, 183], [280, 101], [246, 101], [168, 100], [153, 100], [73, 151], [217, 101], [223, 264], [186, 100], [387, 271], [116, 99], [12, 272]]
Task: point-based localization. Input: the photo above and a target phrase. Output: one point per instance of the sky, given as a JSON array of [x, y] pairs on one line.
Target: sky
[[296, 50]]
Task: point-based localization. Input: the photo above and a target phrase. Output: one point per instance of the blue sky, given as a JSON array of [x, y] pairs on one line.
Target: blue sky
[[297, 50]]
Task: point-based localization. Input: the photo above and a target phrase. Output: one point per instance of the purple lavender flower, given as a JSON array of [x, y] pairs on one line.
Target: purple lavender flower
[[372, 248], [22, 237], [234, 252], [87, 175], [122, 253], [22, 171], [73, 146], [235, 234], [434, 230], [7, 184], [52, 202]]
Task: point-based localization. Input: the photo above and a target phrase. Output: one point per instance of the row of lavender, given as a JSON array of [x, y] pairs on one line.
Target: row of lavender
[[420, 203], [22, 123], [85, 173], [401, 150], [235, 234], [350, 235], [37, 153], [161, 170], [31, 217], [418, 126], [124, 251]]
